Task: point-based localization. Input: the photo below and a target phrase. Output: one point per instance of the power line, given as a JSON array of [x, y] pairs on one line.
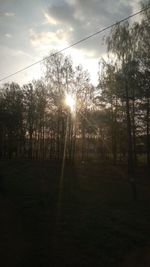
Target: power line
[[76, 43]]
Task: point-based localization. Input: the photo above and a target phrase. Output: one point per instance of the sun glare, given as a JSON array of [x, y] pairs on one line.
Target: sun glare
[[70, 102]]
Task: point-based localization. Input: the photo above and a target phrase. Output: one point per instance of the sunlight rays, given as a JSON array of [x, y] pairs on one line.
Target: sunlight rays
[[70, 102]]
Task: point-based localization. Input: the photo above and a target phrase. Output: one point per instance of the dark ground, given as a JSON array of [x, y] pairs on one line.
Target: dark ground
[[99, 224]]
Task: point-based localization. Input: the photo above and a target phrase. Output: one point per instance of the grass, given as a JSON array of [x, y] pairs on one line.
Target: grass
[[99, 223]]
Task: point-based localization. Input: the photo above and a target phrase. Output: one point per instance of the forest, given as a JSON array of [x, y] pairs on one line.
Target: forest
[[110, 121], [75, 159]]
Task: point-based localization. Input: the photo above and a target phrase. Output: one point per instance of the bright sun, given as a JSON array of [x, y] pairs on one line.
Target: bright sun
[[70, 102]]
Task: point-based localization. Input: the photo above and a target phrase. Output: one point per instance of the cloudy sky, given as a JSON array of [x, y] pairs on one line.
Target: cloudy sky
[[30, 29]]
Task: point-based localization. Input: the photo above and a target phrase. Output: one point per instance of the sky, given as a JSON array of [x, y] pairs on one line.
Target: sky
[[31, 29]]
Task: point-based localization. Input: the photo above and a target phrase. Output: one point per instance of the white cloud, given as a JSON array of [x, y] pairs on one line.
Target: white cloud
[[50, 20], [64, 22], [8, 35], [87, 17], [9, 14], [44, 42], [6, 14]]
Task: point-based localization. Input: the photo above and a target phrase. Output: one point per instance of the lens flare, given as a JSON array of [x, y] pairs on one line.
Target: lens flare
[[70, 102]]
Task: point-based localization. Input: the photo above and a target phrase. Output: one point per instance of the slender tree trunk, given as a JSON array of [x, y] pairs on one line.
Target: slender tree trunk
[[130, 146], [129, 134], [83, 140], [134, 129], [30, 144], [1, 143], [148, 129], [43, 141], [115, 136], [74, 139], [114, 145], [58, 136]]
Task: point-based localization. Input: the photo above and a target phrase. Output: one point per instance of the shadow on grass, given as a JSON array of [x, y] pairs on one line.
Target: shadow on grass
[[99, 224]]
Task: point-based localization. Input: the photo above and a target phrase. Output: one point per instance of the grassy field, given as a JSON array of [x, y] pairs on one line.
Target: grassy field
[[96, 222]]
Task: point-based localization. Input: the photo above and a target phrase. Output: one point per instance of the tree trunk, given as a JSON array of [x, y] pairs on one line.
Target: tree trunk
[[130, 146], [134, 129], [30, 144], [148, 129]]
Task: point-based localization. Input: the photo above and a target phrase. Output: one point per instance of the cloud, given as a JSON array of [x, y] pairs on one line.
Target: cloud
[[8, 35], [50, 20], [45, 41], [6, 14], [9, 14], [43, 38], [87, 17]]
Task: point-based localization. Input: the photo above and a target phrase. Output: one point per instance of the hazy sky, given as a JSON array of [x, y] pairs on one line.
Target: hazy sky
[[30, 29]]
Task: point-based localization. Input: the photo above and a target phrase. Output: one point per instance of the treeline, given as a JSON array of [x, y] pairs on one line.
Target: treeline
[[125, 86], [110, 121], [33, 118]]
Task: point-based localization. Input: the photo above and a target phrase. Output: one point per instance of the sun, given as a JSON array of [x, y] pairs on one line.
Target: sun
[[70, 102]]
